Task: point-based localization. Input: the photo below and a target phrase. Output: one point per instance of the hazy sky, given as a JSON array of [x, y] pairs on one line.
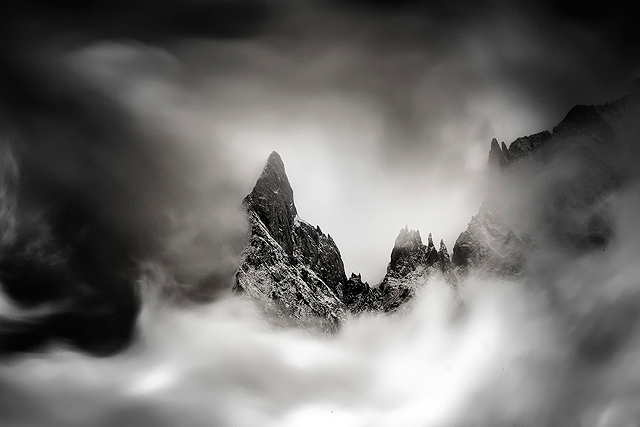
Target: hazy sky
[[382, 112]]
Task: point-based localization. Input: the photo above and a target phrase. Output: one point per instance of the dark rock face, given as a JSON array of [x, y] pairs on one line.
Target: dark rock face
[[295, 274], [432, 253], [551, 192], [443, 257], [407, 254], [320, 253], [359, 297], [489, 244], [505, 152], [272, 201], [584, 120], [412, 265], [526, 145], [286, 288], [288, 267], [497, 156]]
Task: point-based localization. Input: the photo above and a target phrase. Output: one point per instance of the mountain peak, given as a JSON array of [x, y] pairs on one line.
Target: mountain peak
[[584, 119], [408, 238], [274, 177], [432, 253], [274, 163], [272, 200], [443, 258], [408, 251], [496, 155]]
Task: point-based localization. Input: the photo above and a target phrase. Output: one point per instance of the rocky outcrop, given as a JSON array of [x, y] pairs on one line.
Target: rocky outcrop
[[443, 257], [526, 145], [295, 274], [490, 246], [272, 202], [548, 191], [498, 156], [409, 254], [292, 270], [585, 120], [551, 192], [412, 265], [359, 297]]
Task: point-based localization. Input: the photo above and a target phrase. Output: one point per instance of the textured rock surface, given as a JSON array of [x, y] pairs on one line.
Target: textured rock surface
[[359, 297], [551, 192], [288, 267], [498, 156], [412, 265], [526, 145], [272, 202], [490, 245], [295, 274]]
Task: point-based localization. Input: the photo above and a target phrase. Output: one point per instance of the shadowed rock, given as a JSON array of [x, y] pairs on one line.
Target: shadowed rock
[[411, 266], [272, 201], [496, 156], [408, 252], [443, 257], [553, 192], [292, 270], [432, 253]]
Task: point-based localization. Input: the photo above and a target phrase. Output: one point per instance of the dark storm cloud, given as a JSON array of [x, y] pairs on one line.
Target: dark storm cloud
[[95, 191], [419, 64], [93, 199], [142, 19]]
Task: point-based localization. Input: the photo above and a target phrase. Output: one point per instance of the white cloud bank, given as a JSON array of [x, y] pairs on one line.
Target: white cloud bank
[[510, 355]]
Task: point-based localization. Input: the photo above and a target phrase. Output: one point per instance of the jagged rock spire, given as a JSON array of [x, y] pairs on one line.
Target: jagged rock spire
[[525, 145], [289, 267], [408, 238], [496, 156], [443, 257], [272, 200], [505, 151], [432, 254], [408, 251]]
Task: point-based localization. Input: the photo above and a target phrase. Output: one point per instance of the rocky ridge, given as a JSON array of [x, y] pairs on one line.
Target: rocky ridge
[[549, 189], [295, 273], [412, 265], [288, 267]]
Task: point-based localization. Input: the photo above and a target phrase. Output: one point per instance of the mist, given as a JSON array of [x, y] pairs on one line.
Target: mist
[[513, 354], [129, 135]]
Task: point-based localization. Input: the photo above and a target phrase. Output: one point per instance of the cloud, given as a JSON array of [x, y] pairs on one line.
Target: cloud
[[510, 355], [557, 349], [103, 183], [220, 363], [138, 138]]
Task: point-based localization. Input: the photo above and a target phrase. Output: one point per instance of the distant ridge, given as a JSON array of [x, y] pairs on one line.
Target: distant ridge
[[295, 273]]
